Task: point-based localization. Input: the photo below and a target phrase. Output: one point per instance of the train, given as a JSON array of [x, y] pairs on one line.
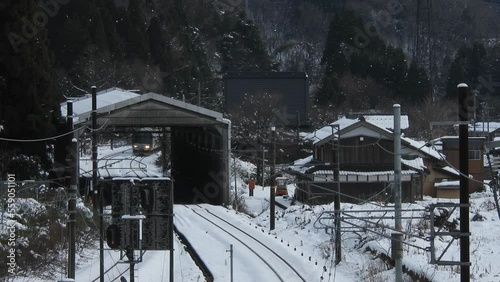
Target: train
[[142, 142]]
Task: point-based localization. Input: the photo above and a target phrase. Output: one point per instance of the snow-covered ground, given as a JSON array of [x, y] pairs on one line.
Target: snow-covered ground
[[295, 234], [310, 250], [120, 162]]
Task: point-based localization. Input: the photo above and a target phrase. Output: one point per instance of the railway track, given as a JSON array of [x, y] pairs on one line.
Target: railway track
[[279, 265], [123, 160], [120, 274]]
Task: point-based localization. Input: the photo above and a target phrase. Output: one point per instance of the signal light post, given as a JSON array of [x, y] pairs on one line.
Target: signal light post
[[272, 190], [72, 191], [463, 133]]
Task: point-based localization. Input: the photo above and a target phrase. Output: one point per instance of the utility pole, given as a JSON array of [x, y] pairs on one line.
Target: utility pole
[[475, 110], [72, 165], [463, 145], [94, 183], [171, 230], [262, 171], [338, 233], [397, 237], [235, 202], [130, 256], [199, 94], [231, 260], [272, 192]]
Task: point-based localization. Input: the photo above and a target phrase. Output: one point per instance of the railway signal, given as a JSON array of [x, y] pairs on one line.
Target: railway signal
[[113, 236], [147, 199]]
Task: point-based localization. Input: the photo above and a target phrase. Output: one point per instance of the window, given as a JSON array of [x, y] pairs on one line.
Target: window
[[474, 154]]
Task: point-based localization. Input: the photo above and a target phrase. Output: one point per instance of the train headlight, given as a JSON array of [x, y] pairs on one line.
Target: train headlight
[[135, 146], [147, 146]]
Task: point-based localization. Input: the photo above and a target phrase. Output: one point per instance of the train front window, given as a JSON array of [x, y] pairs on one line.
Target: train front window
[[143, 138]]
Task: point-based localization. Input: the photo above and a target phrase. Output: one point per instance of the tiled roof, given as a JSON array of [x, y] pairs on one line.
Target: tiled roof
[[364, 173], [417, 163], [383, 121]]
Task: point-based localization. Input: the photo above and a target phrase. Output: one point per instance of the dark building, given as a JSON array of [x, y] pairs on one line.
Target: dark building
[[290, 88]]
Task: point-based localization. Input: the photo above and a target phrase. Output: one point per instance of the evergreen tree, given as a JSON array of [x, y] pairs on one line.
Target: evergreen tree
[[393, 67], [339, 49], [160, 49], [242, 49], [337, 58], [416, 88], [137, 41], [108, 12], [349, 50], [329, 91], [28, 108], [467, 66], [69, 41]]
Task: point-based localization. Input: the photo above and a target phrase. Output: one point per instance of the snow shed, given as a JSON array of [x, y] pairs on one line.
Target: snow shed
[[198, 138]]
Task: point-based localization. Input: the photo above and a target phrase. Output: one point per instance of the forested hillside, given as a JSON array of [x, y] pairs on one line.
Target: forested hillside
[[413, 52], [359, 55], [57, 49]]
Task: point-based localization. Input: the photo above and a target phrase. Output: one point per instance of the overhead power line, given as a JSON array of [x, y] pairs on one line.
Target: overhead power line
[[51, 138]]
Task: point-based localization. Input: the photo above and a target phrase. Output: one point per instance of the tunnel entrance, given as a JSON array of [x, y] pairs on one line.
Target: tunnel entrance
[[198, 165]]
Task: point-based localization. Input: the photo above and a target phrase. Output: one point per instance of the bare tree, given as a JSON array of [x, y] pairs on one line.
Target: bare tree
[[421, 116], [253, 118]]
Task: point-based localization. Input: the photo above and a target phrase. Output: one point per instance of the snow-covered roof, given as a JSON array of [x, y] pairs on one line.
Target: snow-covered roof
[[449, 184], [364, 173], [303, 161], [423, 147], [410, 146], [104, 98], [320, 134], [382, 121], [451, 170], [484, 126], [417, 164], [302, 165]]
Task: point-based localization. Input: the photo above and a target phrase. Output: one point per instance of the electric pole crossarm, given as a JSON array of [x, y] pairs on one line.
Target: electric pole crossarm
[[494, 175], [453, 234], [389, 236], [330, 215]]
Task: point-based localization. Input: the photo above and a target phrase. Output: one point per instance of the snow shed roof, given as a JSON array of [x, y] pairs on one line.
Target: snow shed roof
[[117, 107], [104, 99]]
